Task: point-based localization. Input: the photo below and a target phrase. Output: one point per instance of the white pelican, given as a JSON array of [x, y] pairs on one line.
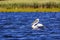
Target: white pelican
[[36, 24]]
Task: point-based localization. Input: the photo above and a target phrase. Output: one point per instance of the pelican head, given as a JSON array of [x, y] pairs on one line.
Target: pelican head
[[36, 21]]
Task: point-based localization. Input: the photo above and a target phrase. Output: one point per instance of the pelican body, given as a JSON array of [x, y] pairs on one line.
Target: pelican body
[[36, 24]]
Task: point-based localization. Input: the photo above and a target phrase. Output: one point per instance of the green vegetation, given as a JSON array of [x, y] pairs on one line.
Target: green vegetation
[[34, 5]]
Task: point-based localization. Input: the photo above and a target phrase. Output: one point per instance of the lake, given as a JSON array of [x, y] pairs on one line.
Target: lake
[[17, 26]]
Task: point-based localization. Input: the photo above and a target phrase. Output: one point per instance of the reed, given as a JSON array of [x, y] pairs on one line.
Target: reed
[[34, 5], [24, 7]]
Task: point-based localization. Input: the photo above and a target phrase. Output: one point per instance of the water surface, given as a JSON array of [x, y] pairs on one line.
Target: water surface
[[17, 26]]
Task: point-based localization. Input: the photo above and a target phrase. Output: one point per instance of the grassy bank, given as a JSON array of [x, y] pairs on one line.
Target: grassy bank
[[31, 10], [34, 7]]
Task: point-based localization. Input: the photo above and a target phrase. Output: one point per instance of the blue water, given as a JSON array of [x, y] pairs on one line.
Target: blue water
[[17, 26]]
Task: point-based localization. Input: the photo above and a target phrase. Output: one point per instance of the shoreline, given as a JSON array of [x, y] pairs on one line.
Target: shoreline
[[30, 10]]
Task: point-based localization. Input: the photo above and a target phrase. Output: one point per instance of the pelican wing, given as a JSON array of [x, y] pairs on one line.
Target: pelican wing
[[39, 25]]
